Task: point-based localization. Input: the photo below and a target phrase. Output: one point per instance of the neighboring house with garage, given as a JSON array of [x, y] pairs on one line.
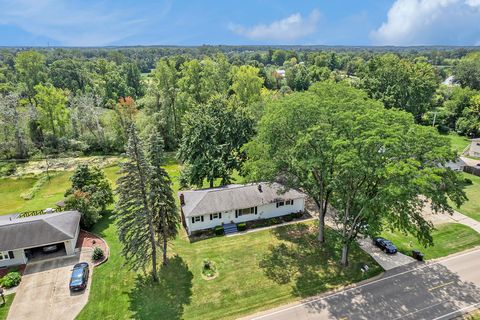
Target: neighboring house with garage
[[207, 208], [23, 239]]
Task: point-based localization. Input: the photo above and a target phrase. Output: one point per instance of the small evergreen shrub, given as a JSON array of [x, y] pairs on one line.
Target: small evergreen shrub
[[242, 226], [288, 217], [209, 269], [218, 230], [11, 279], [298, 215], [468, 181], [98, 254]]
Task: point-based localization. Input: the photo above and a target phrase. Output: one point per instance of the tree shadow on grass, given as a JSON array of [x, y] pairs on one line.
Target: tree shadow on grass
[[165, 299], [311, 268]]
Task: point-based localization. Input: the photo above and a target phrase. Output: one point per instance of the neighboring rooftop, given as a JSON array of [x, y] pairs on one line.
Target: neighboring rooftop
[[18, 233], [232, 197]]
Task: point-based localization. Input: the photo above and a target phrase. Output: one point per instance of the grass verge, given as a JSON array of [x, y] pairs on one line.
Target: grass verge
[[448, 238], [472, 207], [5, 307]]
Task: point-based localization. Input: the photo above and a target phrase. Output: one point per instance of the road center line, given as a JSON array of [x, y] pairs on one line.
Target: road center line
[[440, 286], [367, 284]]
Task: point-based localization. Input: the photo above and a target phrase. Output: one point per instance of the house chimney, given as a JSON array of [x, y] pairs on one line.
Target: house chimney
[[182, 199], [260, 188]]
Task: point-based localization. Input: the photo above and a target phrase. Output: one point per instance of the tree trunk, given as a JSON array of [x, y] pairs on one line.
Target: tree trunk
[[165, 259], [345, 250], [211, 183], [321, 227], [154, 251]]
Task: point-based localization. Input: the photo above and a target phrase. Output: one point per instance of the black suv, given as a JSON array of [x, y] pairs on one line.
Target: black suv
[[385, 245]]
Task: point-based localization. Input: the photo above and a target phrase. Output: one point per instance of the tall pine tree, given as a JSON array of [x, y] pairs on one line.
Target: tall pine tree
[[136, 222], [161, 198]]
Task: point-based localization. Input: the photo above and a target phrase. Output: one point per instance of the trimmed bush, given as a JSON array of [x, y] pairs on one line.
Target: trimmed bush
[[11, 279], [98, 254], [288, 217], [298, 215], [242, 226], [468, 181], [209, 270], [218, 230]]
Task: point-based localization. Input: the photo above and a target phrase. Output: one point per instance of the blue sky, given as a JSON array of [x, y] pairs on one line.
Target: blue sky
[[183, 22]]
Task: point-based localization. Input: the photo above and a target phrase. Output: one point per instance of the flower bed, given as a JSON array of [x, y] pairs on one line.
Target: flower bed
[[89, 240]]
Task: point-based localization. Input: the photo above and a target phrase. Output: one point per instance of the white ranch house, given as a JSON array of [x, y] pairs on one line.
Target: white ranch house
[[207, 208]]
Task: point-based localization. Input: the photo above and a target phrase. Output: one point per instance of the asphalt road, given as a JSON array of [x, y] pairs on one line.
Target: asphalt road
[[433, 291]]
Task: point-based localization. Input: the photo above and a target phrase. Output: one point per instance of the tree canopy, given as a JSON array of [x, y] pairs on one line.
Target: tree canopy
[[348, 152]]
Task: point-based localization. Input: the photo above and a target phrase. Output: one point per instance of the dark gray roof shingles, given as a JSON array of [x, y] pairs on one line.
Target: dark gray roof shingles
[[205, 201], [38, 230]]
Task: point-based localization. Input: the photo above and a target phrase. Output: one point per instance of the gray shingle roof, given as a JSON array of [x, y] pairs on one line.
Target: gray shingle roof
[[232, 197], [18, 233]]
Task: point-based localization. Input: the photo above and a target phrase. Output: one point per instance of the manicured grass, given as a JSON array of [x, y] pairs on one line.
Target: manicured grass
[[448, 238], [51, 192], [472, 207], [5, 307], [256, 271], [459, 143]]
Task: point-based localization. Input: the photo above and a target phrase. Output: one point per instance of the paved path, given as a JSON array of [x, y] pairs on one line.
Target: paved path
[[386, 261], [433, 291], [456, 217], [44, 294]]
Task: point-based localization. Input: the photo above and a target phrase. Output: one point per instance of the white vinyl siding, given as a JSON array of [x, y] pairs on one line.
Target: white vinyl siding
[[4, 255]]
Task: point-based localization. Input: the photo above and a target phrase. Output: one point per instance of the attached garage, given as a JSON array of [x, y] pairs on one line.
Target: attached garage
[[25, 239]]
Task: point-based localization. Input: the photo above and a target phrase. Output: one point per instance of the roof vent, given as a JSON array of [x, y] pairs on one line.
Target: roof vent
[[260, 188], [182, 199]]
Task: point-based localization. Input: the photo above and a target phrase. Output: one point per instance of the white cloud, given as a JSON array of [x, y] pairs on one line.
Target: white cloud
[[428, 22], [74, 23], [290, 28]]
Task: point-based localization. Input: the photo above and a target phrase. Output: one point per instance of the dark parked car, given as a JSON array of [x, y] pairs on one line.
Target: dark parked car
[[79, 278], [50, 249], [385, 245]]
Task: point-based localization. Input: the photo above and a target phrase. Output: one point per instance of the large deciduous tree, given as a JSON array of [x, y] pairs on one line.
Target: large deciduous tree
[[13, 142], [467, 71], [213, 134], [374, 166], [400, 83], [90, 194], [30, 67], [247, 84], [51, 106]]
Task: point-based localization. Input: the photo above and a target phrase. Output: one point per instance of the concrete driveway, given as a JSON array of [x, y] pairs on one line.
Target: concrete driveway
[[44, 294], [387, 261]]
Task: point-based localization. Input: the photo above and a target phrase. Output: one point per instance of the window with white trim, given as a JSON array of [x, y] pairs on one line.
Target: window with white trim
[[215, 216], [4, 255], [289, 202], [280, 204], [246, 211], [197, 219]]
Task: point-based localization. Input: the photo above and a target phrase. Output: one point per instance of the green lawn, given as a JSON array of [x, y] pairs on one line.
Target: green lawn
[[472, 207], [4, 307], [256, 271], [459, 143], [448, 238]]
